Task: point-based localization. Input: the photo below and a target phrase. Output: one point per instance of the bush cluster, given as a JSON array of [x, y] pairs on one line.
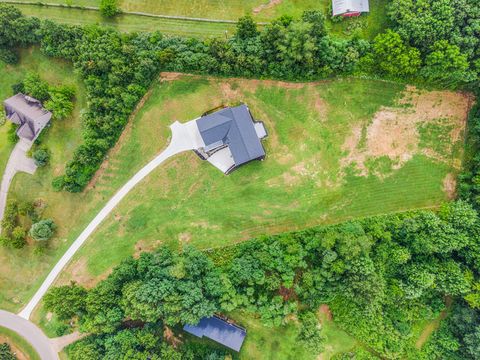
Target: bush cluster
[[380, 276]]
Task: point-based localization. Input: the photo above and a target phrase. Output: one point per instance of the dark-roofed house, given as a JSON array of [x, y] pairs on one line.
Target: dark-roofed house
[[231, 137], [349, 8], [218, 330], [28, 114]]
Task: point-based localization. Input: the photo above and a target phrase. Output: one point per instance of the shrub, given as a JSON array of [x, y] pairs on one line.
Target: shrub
[[41, 157], [42, 230], [66, 301], [8, 56], [36, 87], [6, 352], [58, 183], [109, 8], [18, 88], [12, 134]]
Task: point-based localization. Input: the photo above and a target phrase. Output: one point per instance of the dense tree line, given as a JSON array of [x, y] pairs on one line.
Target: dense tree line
[[380, 276]]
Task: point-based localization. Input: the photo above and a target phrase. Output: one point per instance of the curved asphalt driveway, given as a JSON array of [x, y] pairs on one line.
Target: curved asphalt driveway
[[184, 137], [30, 332]]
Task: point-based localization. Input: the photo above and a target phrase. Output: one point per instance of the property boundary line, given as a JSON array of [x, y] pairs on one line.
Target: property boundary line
[[137, 13]]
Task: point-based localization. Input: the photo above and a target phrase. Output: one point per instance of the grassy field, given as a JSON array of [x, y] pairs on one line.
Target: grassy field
[[19, 346], [20, 268], [333, 154], [366, 26]]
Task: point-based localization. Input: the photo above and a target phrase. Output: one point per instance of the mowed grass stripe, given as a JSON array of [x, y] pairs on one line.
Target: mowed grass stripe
[[130, 23]]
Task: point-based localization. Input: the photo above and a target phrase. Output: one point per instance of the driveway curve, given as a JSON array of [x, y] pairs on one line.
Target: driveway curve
[[30, 332], [18, 161], [184, 137]]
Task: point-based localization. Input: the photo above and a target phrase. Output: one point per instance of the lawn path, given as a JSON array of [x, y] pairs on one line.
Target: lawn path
[[184, 138]]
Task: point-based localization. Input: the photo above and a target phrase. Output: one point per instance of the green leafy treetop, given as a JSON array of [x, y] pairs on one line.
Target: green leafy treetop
[[42, 230]]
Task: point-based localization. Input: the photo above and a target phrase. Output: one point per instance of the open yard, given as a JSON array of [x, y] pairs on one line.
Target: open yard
[[262, 10], [336, 150], [20, 268]]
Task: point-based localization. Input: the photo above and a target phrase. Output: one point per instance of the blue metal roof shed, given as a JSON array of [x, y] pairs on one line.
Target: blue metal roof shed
[[220, 331]]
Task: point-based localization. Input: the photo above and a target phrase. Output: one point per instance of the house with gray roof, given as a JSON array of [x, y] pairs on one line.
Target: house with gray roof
[[231, 138], [348, 8], [220, 331], [28, 113]]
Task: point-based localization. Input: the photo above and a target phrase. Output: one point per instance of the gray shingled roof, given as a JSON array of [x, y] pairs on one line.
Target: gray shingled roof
[[233, 127], [28, 113], [220, 331]]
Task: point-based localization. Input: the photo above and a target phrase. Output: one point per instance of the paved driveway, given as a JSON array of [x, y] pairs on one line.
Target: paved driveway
[[184, 137], [30, 332], [18, 161]]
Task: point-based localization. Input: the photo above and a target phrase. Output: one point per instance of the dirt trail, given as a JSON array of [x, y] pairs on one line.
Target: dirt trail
[[269, 5]]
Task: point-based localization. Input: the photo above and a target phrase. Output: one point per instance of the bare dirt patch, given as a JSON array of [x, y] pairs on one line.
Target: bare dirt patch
[[325, 313], [393, 131], [450, 186], [268, 5], [185, 237], [228, 92], [142, 246], [15, 349], [170, 76]]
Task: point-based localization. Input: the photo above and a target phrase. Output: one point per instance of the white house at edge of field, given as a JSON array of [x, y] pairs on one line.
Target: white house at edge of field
[[349, 8]]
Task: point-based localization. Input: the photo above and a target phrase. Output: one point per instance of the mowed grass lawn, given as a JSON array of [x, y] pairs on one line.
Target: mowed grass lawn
[[20, 268], [308, 178], [367, 26]]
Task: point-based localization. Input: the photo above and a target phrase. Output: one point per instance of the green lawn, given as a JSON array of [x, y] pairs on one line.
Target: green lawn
[[18, 344], [129, 23], [20, 268], [304, 181], [366, 26]]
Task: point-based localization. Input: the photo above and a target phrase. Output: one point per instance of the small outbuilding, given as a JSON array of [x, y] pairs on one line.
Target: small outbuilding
[[231, 138], [29, 114], [348, 8], [220, 331]]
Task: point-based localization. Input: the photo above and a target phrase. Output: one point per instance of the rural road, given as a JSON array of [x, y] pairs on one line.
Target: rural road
[[18, 161], [184, 137], [30, 332]]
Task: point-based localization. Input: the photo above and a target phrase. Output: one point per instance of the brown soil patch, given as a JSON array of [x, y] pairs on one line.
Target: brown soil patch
[[429, 329], [79, 273], [393, 130], [142, 246], [268, 5], [325, 313], [450, 186], [170, 76], [14, 348], [170, 337], [228, 92], [185, 237]]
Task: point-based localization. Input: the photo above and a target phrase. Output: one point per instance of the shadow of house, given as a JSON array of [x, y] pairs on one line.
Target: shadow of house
[[28, 114], [231, 137]]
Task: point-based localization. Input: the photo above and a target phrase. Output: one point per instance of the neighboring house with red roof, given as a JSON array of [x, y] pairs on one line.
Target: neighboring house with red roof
[[349, 8]]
